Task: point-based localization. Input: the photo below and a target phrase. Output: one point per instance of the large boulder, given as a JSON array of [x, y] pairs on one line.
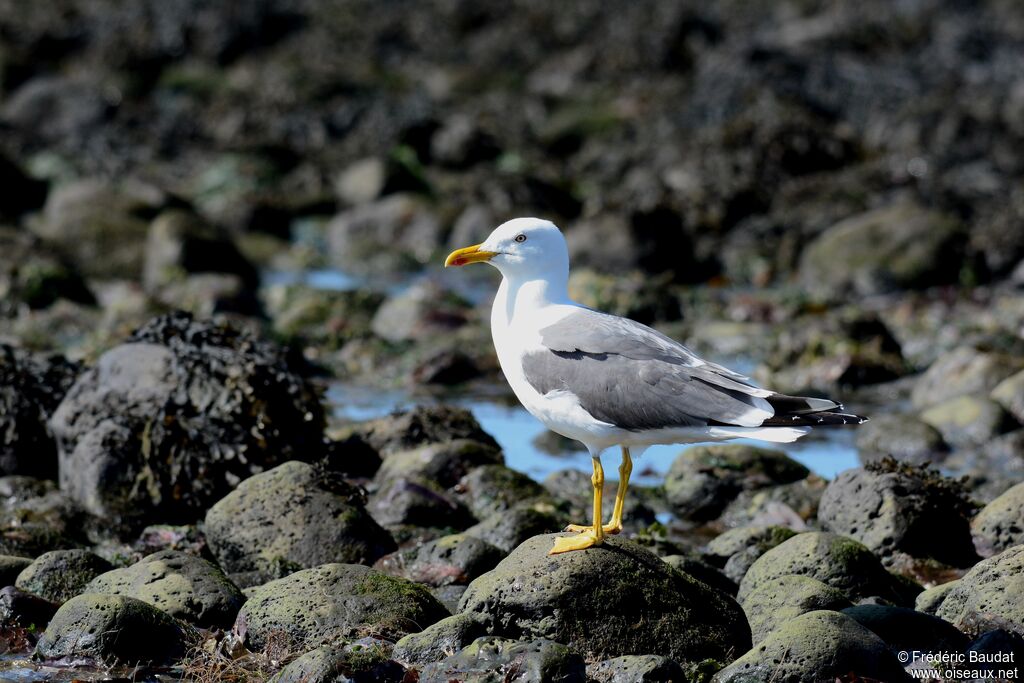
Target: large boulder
[[736, 549], [783, 598], [636, 669], [396, 233], [166, 424], [1000, 524], [354, 662], [703, 480], [31, 388], [60, 575], [903, 437], [591, 600], [493, 658], [906, 630], [966, 421], [898, 508], [816, 646], [490, 489], [335, 602], [443, 463], [182, 585], [440, 640], [989, 596], [294, 516], [836, 561], [900, 246], [113, 629]]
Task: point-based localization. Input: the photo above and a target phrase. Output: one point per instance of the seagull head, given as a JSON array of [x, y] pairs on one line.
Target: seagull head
[[521, 247]]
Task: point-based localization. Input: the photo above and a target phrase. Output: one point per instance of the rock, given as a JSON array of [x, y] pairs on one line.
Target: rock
[[642, 296], [60, 575], [294, 516], [101, 227], [898, 508], [636, 669], [492, 658], [905, 630], [394, 234], [990, 470], [836, 561], [329, 664], [967, 420], [180, 243], [998, 646], [165, 425], [10, 567], [449, 596], [350, 455], [32, 275], [113, 629], [22, 192], [900, 246], [704, 479], [1010, 395], [20, 608], [780, 600], [322, 319], [903, 437], [790, 505], [445, 367], [930, 599], [736, 549], [420, 312], [506, 530], [1000, 524], [443, 639], [182, 585], [336, 601], [420, 503], [588, 600], [31, 387], [361, 182], [989, 596], [442, 463], [961, 372], [455, 559], [461, 143], [490, 489], [423, 425], [816, 646], [702, 571]]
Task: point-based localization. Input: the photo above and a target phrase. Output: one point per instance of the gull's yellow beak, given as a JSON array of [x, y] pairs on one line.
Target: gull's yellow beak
[[473, 254]]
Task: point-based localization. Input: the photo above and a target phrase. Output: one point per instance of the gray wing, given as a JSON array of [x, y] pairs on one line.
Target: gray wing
[[631, 376]]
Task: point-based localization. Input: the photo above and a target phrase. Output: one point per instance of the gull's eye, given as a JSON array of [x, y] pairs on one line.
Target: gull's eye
[[520, 238]]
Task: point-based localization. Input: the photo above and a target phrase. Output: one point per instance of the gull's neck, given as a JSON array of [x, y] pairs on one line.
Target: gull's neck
[[519, 295]]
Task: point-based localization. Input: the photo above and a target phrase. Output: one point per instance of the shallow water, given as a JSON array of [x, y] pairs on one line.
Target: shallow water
[[825, 452]]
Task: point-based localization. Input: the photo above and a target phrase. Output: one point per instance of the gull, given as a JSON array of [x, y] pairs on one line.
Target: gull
[[608, 381]]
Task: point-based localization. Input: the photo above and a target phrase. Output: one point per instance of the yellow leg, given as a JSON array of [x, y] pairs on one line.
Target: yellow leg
[[625, 469], [593, 535]]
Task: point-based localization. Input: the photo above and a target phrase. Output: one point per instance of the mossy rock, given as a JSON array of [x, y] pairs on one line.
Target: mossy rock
[[816, 646], [491, 659], [185, 586], [989, 596], [781, 599], [736, 550], [1000, 524], [591, 600], [491, 489], [442, 463], [1010, 395], [295, 515], [794, 504], [353, 662], [453, 559], [903, 437], [906, 630], [836, 561], [963, 371], [113, 629], [440, 640], [60, 575], [336, 602], [422, 425], [966, 421], [930, 599], [703, 480], [506, 530], [893, 508], [636, 669], [417, 502]]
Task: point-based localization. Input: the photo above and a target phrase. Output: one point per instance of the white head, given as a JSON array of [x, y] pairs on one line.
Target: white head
[[522, 249]]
